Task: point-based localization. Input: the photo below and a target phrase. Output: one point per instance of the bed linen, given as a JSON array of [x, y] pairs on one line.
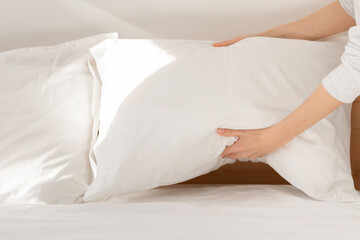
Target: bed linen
[[189, 211], [252, 84], [186, 212], [48, 122]]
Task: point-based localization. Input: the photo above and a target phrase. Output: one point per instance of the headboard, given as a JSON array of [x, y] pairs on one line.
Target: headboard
[[355, 142], [41, 22]]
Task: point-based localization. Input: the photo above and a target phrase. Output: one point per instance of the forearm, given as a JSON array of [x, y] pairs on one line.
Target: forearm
[[326, 22], [318, 105]]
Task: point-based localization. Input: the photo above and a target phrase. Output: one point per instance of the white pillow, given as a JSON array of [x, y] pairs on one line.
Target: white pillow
[[46, 122], [162, 101]]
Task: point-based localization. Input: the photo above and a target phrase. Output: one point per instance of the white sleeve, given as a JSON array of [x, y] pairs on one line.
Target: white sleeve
[[348, 6], [343, 83]]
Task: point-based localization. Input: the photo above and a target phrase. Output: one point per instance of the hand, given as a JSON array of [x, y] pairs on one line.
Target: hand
[[251, 144], [231, 41]]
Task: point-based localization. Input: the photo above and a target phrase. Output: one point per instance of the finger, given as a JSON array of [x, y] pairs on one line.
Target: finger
[[222, 44], [228, 150], [226, 43], [240, 155], [227, 132], [224, 152], [231, 155], [256, 155], [235, 156]]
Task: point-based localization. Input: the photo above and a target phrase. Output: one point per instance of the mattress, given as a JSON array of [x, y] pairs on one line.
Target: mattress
[[188, 211]]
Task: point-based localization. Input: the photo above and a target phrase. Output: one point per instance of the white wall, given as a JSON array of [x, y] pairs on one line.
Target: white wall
[[43, 22]]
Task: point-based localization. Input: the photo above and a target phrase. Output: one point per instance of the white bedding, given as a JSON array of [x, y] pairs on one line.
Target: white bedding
[[182, 211], [189, 212]]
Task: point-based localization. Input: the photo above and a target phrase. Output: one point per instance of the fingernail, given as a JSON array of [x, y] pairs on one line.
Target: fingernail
[[219, 130]]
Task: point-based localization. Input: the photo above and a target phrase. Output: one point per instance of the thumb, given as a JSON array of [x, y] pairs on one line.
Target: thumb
[[227, 132]]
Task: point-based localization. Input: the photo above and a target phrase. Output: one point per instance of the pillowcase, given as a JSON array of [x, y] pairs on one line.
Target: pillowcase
[[47, 127], [162, 101]]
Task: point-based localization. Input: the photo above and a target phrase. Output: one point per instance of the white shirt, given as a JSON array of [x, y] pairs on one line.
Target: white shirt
[[343, 83]]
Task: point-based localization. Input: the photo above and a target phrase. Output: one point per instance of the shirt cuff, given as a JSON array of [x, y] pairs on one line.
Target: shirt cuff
[[342, 84], [348, 6]]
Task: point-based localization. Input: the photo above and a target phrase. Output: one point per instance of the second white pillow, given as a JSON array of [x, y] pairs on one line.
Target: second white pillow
[[47, 126]]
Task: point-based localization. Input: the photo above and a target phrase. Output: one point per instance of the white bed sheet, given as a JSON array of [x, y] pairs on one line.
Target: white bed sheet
[[189, 212]]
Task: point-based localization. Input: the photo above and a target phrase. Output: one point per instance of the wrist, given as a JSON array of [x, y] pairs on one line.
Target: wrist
[[273, 32], [281, 136]]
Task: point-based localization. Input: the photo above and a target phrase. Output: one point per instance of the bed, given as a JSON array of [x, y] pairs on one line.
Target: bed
[[245, 200], [204, 211]]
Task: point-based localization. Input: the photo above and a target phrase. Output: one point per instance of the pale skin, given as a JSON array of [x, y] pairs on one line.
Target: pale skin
[[256, 143]]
